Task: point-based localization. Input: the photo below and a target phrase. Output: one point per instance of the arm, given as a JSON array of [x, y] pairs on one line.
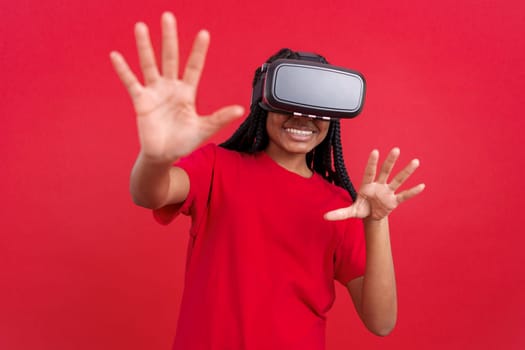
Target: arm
[[168, 124], [374, 295], [156, 184]]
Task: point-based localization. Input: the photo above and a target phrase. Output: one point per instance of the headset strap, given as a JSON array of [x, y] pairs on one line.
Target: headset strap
[[302, 56]]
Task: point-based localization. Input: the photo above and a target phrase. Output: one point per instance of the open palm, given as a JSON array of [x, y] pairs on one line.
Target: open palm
[[168, 124], [377, 198]]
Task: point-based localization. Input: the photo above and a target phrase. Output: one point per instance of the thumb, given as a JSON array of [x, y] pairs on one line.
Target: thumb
[[341, 214], [226, 115]]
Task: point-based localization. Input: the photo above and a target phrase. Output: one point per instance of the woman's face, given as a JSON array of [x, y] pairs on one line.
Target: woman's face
[[294, 135]]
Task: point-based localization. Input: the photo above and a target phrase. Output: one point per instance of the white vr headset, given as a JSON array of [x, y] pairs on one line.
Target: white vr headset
[[310, 88]]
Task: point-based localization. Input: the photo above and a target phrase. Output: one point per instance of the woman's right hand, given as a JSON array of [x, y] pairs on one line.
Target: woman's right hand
[[169, 126]]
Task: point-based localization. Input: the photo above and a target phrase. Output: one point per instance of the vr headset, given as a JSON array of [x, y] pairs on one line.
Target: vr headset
[[309, 87]]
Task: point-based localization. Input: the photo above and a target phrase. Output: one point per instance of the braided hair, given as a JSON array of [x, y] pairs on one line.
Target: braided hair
[[326, 159]]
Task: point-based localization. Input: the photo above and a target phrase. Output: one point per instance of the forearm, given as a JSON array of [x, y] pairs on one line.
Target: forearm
[[379, 296], [150, 182]]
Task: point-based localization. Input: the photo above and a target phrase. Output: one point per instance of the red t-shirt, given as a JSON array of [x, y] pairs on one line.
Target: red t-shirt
[[261, 259]]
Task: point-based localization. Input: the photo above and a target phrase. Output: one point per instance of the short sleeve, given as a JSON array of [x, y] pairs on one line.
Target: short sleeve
[[350, 255], [199, 167]]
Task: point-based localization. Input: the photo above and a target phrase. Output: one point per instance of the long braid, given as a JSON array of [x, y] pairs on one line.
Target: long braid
[[327, 152], [321, 160], [326, 159], [261, 136], [238, 137], [342, 174], [250, 137]]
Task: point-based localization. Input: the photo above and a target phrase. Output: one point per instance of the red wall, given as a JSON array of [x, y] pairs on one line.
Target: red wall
[[82, 268]]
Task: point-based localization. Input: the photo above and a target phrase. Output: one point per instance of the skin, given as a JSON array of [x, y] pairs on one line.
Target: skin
[[168, 124], [169, 127], [374, 295], [291, 137]]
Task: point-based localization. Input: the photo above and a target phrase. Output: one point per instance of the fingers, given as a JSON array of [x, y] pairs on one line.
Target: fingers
[[146, 54], [387, 166], [371, 167], [125, 74], [414, 191], [341, 214], [170, 46], [404, 174], [193, 70], [225, 115]]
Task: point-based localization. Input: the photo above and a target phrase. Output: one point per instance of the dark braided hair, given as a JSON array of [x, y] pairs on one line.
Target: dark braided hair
[[326, 159]]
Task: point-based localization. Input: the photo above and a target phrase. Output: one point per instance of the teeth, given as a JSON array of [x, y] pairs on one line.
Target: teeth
[[299, 132]]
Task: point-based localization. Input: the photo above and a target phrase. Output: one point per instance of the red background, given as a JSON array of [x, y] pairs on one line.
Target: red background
[[81, 267]]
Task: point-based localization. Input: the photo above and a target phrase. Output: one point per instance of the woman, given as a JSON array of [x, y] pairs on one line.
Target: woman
[[274, 222]]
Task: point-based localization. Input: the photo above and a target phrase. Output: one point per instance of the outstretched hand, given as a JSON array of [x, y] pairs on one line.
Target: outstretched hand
[[168, 124], [377, 198]]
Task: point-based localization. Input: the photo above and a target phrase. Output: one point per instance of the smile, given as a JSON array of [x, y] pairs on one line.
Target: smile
[[299, 132]]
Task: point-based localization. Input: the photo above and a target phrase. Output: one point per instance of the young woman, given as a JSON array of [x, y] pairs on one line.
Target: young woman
[[275, 218]]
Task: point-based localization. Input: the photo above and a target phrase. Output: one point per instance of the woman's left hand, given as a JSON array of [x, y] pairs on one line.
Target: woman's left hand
[[377, 198]]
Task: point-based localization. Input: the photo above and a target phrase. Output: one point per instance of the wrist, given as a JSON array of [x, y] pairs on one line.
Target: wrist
[[155, 160], [369, 220], [375, 226]]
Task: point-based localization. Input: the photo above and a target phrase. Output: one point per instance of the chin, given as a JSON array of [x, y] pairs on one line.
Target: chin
[[302, 149]]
